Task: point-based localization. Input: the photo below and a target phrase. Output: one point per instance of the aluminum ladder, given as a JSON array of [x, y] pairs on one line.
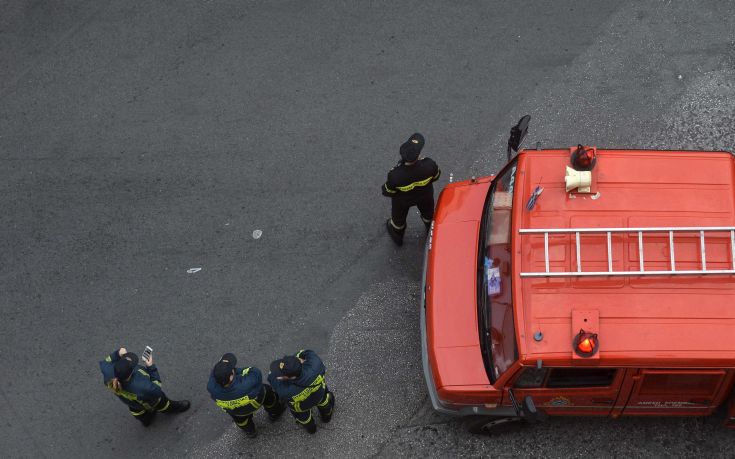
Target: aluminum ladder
[[641, 271]]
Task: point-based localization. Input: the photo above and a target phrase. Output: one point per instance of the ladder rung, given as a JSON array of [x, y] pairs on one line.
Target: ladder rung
[[609, 252], [703, 250], [671, 250]]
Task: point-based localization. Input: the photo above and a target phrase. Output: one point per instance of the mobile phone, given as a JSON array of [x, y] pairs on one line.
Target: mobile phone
[[147, 353]]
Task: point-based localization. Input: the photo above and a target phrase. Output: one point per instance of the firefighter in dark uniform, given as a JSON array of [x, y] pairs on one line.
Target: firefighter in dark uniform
[[409, 184], [240, 392], [299, 380], [138, 387]]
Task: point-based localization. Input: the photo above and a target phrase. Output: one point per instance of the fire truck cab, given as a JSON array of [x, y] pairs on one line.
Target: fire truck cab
[[586, 282]]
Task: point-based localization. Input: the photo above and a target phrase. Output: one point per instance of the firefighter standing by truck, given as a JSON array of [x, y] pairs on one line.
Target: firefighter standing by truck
[[240, 392], [410, 183], [138, 387], [299, 380]]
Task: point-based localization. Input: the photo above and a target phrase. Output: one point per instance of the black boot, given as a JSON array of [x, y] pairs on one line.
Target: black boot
[[178, 406], [325, 413], [147, 418], [310, 426], [395, 234], [275, 412], [250, 430]]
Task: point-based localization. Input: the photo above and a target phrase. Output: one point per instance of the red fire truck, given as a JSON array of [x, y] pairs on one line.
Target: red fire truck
[[583, 281]]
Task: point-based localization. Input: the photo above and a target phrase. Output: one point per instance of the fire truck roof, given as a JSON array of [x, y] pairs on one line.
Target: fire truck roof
[[673, 209]]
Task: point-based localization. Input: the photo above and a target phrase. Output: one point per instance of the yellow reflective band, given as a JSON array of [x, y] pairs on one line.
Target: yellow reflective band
[[326, 400], [243, 423], [237, 403], [438, 173], [108, 359], [168, 403], [396, 226], [124, 394], [388, 189], [137, 413], [305, 422], [143, 372], [157, 383], [298, 354], [415, 184], [245, 371], [316, 385]]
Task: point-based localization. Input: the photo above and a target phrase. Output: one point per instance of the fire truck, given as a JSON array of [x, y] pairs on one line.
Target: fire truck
[[583, 282]]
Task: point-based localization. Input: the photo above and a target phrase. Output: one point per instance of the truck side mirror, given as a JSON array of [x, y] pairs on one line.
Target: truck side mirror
[[530, 413], [517, 133]]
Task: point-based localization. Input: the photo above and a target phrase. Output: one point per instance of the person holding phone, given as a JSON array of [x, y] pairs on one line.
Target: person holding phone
[[240, 392], [138, 387], [299, 380]]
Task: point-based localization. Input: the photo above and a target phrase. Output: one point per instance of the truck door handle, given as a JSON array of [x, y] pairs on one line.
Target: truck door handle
[[606, 401]]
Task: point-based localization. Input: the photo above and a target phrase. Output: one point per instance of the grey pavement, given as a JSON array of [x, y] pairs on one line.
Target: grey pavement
[[141, 139]]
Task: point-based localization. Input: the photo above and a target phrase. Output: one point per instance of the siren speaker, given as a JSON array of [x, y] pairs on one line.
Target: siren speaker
[[581, 180]]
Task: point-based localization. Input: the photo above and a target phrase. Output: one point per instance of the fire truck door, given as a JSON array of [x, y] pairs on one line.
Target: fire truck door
[[675, 392], [569, 391]]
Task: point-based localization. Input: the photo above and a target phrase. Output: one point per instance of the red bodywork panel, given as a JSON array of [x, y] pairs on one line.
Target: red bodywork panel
[[451, 292]]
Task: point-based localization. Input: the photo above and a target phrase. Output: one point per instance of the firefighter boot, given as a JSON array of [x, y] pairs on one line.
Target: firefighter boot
[[147, 418], [276, 411], [178, 406], [326, 408], [248, 426], [310, 426], [395, 233]]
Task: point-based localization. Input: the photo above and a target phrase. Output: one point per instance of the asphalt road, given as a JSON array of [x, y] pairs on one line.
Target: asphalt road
[[141, 139]]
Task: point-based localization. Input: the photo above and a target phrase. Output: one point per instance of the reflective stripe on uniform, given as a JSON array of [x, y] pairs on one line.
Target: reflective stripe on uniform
[[396, 226], [308, 420], [326, 400], [243, 423], [304, 394], [138, 413], [238, 403], [168, 403], [413, 185], [388, 189]]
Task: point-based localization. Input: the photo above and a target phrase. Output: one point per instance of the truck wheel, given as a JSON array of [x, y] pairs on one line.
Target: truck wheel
[[491, 425]]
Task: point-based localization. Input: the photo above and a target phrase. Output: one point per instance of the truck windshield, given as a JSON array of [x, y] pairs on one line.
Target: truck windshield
[[494, 275]]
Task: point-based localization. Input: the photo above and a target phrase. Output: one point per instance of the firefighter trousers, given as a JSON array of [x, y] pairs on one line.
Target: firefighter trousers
[[401, 204]]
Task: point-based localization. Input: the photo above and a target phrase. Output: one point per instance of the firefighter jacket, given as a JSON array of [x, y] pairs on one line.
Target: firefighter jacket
[[141, 392], [307, 390], [412, 180], [243, 396]]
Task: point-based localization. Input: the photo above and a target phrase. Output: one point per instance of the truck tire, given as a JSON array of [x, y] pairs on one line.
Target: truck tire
[[488, 425]]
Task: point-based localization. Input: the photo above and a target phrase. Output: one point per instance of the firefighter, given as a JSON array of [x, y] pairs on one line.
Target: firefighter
[[299, 380], [240, 392], [138, 387], [410, 184]]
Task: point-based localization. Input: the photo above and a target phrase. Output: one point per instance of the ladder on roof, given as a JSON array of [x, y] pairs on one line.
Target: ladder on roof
[[641, 267]]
